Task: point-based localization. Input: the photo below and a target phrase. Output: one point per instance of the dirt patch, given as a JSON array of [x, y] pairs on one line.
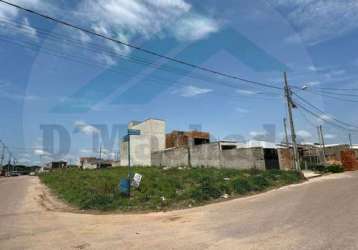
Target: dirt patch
[[48, 201]]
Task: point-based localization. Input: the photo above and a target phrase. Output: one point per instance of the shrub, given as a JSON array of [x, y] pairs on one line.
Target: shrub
[[319, 168], [334, 169], [242, 185], [208, 188], [258, 182]]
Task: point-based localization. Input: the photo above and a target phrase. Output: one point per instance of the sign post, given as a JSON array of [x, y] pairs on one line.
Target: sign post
[[130, 132]]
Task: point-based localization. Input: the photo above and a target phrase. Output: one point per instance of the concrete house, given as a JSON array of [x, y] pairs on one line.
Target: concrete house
[[94, 163], [151, 139]]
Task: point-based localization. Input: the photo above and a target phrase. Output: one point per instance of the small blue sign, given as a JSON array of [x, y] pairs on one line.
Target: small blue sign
[[124, 186]]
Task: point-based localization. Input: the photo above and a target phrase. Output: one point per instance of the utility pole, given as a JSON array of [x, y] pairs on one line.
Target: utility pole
[[2, 154], [350, 140], [129, 164], [100, 155], [320, 152], [285, 127], [288, 94], [9, 163], [323, 144]]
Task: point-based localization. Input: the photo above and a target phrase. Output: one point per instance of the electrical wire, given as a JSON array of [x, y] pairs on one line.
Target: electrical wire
[[324, 113], [150, 80], [85, 61], [146, 51]]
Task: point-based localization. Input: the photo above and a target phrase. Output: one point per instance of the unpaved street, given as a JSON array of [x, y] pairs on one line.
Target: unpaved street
[[319, 214]]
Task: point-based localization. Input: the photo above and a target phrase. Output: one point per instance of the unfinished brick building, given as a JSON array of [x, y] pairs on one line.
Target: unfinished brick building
[[183, 139]]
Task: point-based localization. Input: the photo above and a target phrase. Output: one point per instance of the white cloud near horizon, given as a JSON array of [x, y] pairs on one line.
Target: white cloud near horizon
[[41, 152], [245, 92], [242, 110], [86, 128], [330, 136], [304, 134], [257, 133], [191, 91]]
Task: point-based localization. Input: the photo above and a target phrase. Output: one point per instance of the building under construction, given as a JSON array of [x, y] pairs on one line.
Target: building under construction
[[178, 139]]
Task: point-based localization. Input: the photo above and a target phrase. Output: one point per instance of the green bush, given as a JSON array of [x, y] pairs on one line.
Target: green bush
[[242, 185], [328, 168], [334, 169], [319, 168]]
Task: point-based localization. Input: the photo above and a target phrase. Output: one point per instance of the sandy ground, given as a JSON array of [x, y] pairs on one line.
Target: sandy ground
[[319, 214]]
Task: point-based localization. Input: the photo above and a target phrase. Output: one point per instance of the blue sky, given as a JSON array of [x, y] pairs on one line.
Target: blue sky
[[52, 75]]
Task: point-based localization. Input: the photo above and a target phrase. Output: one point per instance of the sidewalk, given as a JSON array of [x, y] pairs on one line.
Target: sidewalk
[[310, 174]]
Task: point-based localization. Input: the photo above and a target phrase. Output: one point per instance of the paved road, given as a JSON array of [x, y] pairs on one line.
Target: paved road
[[319, 214]]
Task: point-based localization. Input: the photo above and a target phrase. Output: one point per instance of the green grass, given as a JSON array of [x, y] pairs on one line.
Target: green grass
[[160, 189]]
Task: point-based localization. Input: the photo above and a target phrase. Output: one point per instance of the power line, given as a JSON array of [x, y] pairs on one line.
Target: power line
[[331, 96], [322, 118], [325, 119], [54, 38], [324, 113], [339, 94], [150, 80], [150, 52], [337, 89]]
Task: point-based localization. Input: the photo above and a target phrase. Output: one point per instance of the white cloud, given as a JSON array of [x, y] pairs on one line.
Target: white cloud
[[126, 20], [86, 128], [190, 91], [312, 68], [325, 118], [320, 20], [9, 91], [41, 152], [84, 37], [330, 136], [195, 28], [258, 133], [28, 29], [312, 83], [23, 161], [304, 134], [242, 110], [245, 92], [87, 151], [121, 19], [10, 13]]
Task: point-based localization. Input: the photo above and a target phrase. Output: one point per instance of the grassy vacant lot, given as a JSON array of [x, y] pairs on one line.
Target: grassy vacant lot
[[160, 189]]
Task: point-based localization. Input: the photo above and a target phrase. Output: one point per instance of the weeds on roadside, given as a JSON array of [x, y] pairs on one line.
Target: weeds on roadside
[[160, 188]]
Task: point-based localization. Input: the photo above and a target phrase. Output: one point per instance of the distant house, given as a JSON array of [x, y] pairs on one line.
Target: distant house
[[88, 162], [58, 164], [151, 139], [94, 163]]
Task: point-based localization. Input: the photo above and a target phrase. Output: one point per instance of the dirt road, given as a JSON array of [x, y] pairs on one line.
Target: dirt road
[[319, 214]]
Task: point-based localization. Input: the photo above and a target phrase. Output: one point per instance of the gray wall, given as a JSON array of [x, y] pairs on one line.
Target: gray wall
[[171, 157], [243, 158], [205, 155], [210, 155]]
